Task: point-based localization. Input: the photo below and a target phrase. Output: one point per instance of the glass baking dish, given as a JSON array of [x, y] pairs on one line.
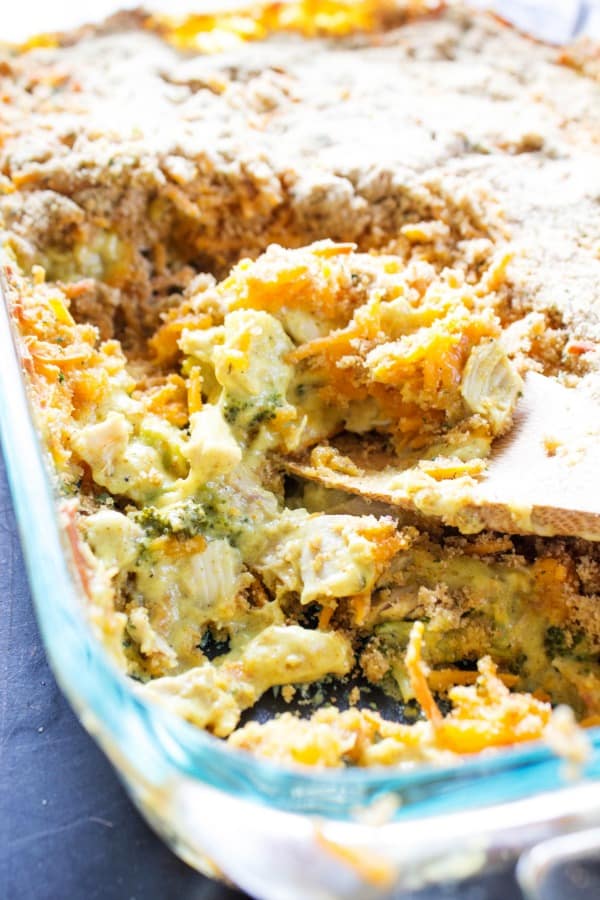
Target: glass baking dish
[[280, 833]]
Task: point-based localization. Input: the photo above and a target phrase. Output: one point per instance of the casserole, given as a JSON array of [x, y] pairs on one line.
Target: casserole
[[166, 750]]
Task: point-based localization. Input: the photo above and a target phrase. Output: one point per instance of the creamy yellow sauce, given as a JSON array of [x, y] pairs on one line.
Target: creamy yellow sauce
[[190, 537]]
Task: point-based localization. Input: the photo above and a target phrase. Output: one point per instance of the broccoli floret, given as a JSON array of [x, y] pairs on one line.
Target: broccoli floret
[[152, 521], [213, 513], [184, 519], [555, 641], [249, 414], [560, 641], [232, 409], [221, 511]]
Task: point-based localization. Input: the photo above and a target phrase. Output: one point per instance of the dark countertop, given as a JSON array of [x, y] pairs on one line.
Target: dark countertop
[[67, 828]]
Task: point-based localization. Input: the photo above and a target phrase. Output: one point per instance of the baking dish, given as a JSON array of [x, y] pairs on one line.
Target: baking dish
[[275, 832]]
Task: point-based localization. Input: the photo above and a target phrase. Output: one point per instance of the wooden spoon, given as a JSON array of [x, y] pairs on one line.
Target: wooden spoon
[[542, 477]]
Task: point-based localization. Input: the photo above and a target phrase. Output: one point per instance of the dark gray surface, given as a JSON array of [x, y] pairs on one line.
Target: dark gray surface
[[67, 829]]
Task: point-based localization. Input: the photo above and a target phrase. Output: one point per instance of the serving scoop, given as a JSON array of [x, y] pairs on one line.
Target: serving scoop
[[542, 477]]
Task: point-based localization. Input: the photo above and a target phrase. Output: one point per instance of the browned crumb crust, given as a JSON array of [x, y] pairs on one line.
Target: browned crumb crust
[[494, 140]]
